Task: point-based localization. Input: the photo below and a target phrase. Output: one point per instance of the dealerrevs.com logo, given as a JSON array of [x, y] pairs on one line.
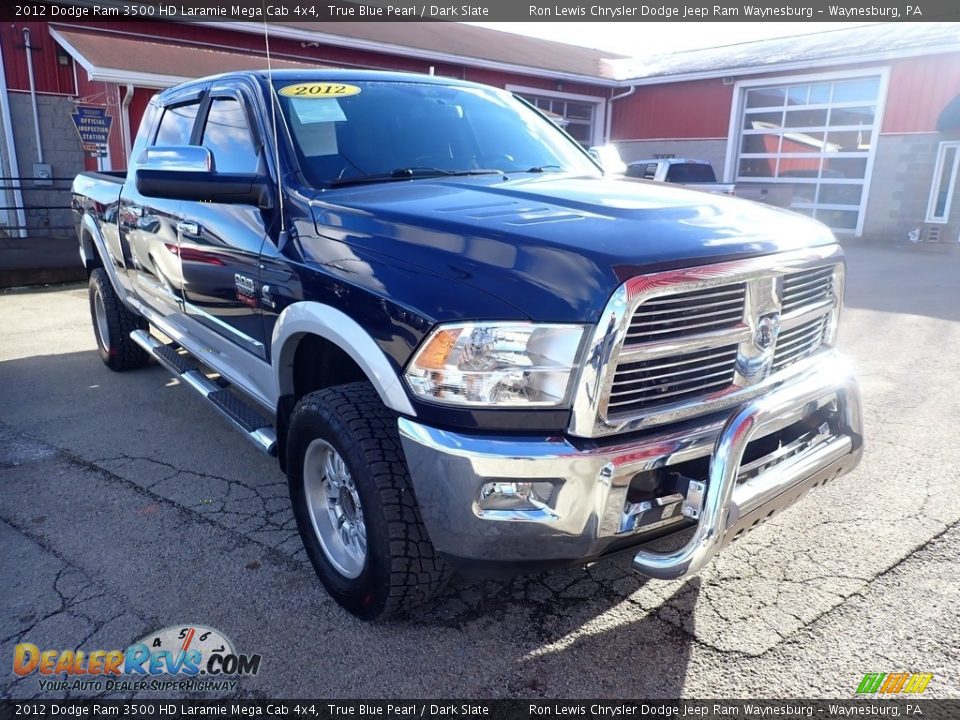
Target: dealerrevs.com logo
[[181, 657]]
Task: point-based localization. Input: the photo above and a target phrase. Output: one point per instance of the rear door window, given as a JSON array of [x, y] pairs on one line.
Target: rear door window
[[176, 125], [227, 135]]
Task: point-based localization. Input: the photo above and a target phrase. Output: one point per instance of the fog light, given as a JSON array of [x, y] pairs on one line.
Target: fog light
[[515, 495]]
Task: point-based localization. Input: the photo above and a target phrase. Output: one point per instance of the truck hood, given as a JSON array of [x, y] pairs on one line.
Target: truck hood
[[554, 246]]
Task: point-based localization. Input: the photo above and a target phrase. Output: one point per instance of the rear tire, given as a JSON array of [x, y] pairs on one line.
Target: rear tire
[[112, 325], [355, 506]]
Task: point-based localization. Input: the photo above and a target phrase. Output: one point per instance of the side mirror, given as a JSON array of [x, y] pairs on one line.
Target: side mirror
[[187, 172]]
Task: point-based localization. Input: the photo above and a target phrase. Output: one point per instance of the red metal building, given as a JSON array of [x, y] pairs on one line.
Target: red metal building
[[859, 128]]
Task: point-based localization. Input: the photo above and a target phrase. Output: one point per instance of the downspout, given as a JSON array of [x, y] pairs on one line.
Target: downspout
[[33, 93], [628, 93], [125, 121], [11, 149]]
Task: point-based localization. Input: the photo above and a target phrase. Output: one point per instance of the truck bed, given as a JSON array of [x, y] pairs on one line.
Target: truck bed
[[109, 176], [97, 189]]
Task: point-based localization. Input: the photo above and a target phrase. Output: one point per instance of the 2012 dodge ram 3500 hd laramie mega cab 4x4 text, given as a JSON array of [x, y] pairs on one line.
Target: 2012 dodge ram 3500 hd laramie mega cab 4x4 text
[[466, 346]]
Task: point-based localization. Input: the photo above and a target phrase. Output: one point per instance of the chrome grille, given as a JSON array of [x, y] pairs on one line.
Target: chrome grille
[[673, 316], [648, 383], [799, 342], [807, 288], [682, 343]]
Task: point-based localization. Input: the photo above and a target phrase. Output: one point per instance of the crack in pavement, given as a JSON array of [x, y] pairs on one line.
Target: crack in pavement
[[767, 593], [548, 601], [81, 610]]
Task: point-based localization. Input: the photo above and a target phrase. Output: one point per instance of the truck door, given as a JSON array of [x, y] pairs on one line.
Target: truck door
[[148, 225], [220, 242]]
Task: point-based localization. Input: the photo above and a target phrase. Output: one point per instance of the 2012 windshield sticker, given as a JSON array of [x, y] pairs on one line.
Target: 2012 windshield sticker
[[177, 658], [319, 90]]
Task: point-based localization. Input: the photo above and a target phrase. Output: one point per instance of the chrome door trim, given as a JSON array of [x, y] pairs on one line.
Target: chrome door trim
[[248, 373], [248, 343]]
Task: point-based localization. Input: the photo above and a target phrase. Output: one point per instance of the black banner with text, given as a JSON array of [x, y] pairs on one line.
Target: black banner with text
[[288, 11], [487, 709]]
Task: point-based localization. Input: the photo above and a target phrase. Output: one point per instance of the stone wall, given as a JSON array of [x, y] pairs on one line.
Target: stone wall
[[61, 150], [900, 188]]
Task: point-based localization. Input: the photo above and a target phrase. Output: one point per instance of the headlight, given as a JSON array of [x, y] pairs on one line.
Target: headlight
[[496, 364]]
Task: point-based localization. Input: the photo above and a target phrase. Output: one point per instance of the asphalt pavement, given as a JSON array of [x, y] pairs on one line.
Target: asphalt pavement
[[127, 506]]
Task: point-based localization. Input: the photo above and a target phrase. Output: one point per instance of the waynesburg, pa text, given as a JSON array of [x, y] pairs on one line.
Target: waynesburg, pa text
[[705, 12]]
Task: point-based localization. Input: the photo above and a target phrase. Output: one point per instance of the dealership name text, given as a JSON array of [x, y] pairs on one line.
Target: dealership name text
[[709, 11]]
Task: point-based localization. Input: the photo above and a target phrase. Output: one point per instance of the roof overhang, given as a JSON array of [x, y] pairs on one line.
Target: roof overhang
[[155, 63], [112, 73], [799, 66], [97, 73], [312, 36]]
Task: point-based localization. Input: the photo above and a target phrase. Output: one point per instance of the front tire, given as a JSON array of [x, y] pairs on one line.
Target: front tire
[[112, 325], [354, 504]]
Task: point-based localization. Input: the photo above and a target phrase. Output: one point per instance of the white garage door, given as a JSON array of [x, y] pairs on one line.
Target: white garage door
[[817, 137]]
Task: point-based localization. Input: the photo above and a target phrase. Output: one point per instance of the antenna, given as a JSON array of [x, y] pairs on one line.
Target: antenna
[[282, 238]]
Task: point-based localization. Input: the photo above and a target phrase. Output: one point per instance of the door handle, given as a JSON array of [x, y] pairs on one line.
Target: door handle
[[185, 227]]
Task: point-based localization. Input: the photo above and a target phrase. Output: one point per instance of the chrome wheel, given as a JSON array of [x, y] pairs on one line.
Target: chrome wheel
[[100, 320], [335, 509]]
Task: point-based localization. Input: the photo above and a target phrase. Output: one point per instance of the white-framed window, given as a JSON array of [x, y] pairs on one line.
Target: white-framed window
[[582, 116], [817, 135], [944, 182]]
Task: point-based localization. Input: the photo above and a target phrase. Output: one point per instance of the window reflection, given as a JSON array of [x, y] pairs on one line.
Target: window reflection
[[227, 135], [814, 138]]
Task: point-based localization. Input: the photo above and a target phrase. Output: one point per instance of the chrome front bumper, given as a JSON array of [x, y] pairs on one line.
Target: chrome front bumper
[[588, 502]]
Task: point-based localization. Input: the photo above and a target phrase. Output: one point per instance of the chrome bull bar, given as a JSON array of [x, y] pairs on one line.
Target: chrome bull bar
[[722, 505]]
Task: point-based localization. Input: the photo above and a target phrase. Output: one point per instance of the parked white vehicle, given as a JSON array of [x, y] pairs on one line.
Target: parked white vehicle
[[695, 174]]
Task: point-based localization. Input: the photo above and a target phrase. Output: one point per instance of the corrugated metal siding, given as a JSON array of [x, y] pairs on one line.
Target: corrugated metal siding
[[497, 78], [49, 75], [920, 87], [695, 109]]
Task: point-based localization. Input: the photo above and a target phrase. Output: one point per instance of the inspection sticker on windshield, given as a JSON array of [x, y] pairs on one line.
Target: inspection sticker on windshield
[[319, 90]]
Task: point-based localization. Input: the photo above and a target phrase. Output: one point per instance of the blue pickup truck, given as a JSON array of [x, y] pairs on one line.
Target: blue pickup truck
[[468, 349]]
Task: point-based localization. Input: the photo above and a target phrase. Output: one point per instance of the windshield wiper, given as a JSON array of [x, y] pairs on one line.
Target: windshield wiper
[[542, 168], [410, 173]]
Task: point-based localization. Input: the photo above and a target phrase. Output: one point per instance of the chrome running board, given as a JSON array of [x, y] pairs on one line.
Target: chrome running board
[[243, 416]]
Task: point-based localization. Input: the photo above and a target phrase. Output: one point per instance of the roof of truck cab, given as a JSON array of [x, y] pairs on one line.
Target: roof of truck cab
[[321, 75]]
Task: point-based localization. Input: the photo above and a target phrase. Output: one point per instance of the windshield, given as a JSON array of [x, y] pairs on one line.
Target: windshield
[[345, 132]]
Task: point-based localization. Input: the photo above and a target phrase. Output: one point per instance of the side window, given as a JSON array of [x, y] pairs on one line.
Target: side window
[[651, 172], [227, 135], [176, 124]]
